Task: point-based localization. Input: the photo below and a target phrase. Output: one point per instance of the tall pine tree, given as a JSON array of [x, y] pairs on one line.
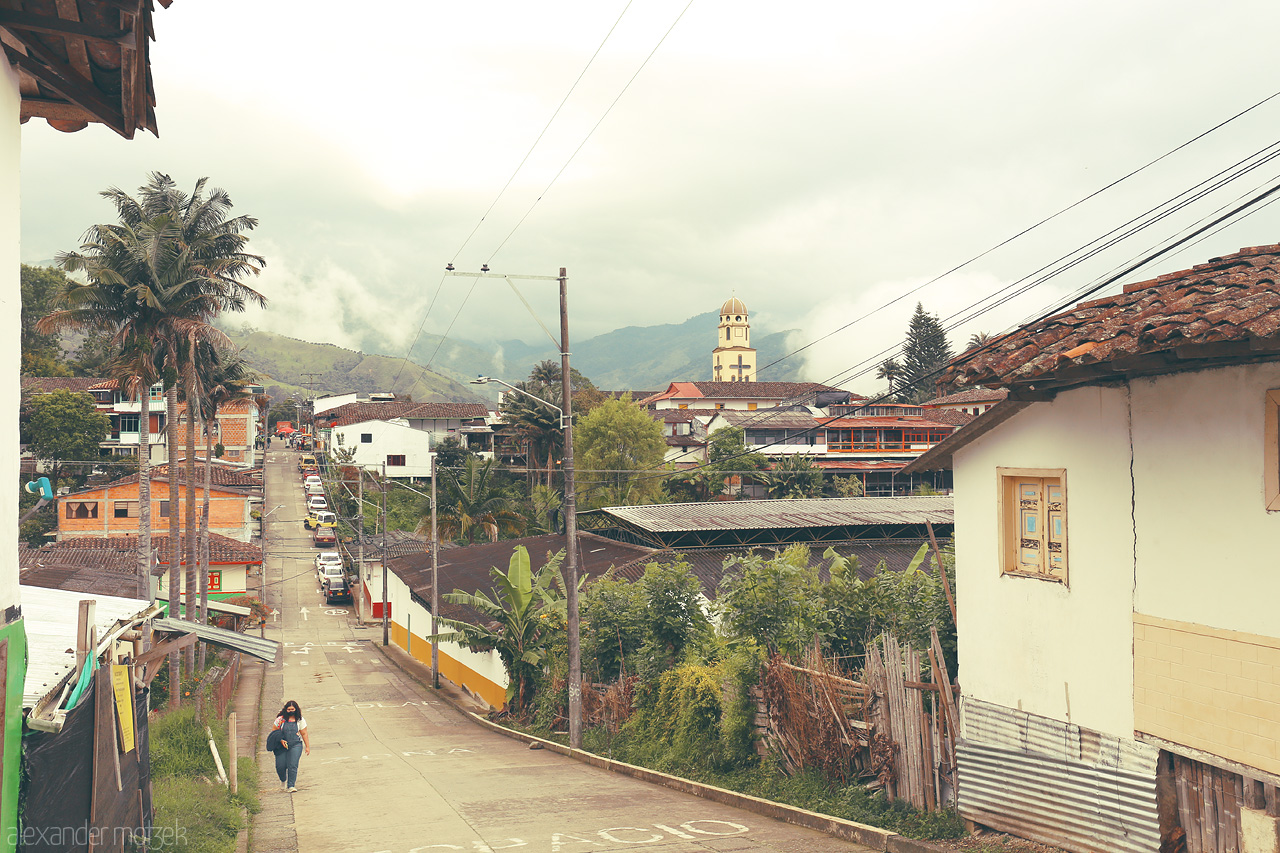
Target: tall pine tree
[[925, 352]]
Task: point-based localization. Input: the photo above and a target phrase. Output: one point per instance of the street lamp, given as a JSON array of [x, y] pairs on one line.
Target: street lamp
[[485, 380]]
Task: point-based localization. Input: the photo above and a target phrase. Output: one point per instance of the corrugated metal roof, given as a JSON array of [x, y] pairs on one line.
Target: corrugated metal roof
[[814, 512], [259, 647], [1055, 782], [50, 617]]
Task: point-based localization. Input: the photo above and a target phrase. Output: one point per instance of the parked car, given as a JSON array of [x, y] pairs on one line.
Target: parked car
[[324, 537], [317, 502], [313, 489], [320, 518], [331, 557], [307, 461], [325, 571], [335, 589], [312, 478]]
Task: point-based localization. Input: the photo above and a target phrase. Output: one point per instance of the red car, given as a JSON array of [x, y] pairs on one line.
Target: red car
[[324, 537]]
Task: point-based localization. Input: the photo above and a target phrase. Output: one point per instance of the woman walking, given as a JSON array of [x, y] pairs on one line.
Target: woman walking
[[293, 729]]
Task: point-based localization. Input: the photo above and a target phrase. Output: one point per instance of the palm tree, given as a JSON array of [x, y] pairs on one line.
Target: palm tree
[[156, 280], [519, 625], [979, 339], [538, 426], [474, 503], [890, 371]]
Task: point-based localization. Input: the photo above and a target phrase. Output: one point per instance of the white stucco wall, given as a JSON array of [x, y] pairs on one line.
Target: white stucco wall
[[325, 404], [10, 346], [1036, 645], [1206, 543], [417, 619], [388, 437]]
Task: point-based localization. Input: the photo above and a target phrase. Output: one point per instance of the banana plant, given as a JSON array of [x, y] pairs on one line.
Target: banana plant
[[519, 623]]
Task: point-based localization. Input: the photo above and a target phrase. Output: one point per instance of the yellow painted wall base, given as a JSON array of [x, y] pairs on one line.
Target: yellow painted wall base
[[450, 668]]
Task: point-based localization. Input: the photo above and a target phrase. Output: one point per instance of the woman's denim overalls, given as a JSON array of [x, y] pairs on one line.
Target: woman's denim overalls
[[287, 759]]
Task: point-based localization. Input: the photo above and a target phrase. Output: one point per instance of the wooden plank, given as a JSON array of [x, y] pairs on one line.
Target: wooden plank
[[1208, 814], [1221, 826], [1183, 787], [942, 572], [1272, 795], [1254, 795]]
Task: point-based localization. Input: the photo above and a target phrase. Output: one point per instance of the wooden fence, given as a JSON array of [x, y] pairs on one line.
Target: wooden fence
[[220, 684], [891, 729]]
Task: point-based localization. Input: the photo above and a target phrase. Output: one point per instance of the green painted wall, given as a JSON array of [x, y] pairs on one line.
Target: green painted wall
[[16, 637]]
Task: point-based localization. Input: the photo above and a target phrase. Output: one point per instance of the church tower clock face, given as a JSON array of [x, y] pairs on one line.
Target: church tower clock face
[[733, 359]]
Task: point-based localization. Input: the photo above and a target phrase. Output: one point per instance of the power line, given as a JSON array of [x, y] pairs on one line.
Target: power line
[[1025, 231], [562, 169], [506, 186]]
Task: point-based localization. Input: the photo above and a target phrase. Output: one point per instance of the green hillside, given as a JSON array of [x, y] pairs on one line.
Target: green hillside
[[648, 358], [283, 361]]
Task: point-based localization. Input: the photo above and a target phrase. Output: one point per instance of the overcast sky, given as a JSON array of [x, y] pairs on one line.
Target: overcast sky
[[818, 159]]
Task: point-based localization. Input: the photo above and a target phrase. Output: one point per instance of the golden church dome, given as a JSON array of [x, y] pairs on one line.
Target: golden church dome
[[733, 306]]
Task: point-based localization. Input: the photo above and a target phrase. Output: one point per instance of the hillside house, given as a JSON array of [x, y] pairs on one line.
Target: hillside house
[[872, 443], [1119, 644], [238, 427], [112, 509], [972, 401], [745, 396], [403, 435], [467, 568]]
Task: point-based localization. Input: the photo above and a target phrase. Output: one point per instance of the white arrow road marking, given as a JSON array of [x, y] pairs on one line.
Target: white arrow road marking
[[305, 611]]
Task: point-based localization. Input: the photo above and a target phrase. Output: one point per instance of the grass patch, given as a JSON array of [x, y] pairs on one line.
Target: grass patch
[[194, 813]]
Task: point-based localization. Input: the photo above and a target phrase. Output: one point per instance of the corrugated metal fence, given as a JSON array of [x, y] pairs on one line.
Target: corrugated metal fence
[[1055, 782]]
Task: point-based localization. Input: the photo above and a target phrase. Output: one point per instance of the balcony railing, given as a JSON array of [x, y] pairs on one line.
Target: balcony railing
[[878, 446]]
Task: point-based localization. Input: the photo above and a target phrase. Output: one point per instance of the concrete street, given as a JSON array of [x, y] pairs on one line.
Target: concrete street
[[394, 770]]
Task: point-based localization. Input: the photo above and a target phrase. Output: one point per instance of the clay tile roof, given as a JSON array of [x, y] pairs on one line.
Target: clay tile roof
[[82, 61], [46, 384], [954, 417], [1225, 311], [766, 390], [219, 474], [119, 554], [463, 411], [973, 395]]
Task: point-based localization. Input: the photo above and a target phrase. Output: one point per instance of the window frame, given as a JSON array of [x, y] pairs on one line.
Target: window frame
[[1009, 522], [391, 456], [131, 509], [1271, 450], [366, 438]]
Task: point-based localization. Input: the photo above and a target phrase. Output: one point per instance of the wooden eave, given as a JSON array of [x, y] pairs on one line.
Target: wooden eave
[[82, 61]]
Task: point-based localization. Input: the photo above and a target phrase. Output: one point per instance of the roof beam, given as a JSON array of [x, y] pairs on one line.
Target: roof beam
[[62, 27], [66, 81]]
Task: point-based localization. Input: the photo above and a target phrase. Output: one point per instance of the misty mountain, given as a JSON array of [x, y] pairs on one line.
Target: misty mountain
[[648, 358], [636, 358]]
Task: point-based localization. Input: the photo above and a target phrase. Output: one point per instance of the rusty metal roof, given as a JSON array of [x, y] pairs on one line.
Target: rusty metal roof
[[814, 512], [1225, 311]]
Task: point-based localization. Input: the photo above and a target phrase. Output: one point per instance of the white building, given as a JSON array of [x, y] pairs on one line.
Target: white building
[[1119, 634], [428, 424], [405, 451]]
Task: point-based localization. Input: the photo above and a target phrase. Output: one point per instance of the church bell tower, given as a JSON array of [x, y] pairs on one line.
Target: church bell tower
[[733, 359]]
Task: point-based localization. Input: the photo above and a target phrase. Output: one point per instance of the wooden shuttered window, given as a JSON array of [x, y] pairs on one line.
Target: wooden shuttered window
[[1034, 524], [125, 509]]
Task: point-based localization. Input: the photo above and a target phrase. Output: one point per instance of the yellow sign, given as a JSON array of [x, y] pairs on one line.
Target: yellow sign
[[124, 705]]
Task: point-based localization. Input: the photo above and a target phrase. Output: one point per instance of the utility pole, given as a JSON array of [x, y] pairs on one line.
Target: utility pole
[[435, 583], [570, 499], [386, 625], [360, 528], [570, 526]]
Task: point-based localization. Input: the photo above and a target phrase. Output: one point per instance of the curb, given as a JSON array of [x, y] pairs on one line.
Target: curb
[[859, 833]]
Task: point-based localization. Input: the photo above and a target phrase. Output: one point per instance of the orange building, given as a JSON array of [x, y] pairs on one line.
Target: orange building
[[113, 510]]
